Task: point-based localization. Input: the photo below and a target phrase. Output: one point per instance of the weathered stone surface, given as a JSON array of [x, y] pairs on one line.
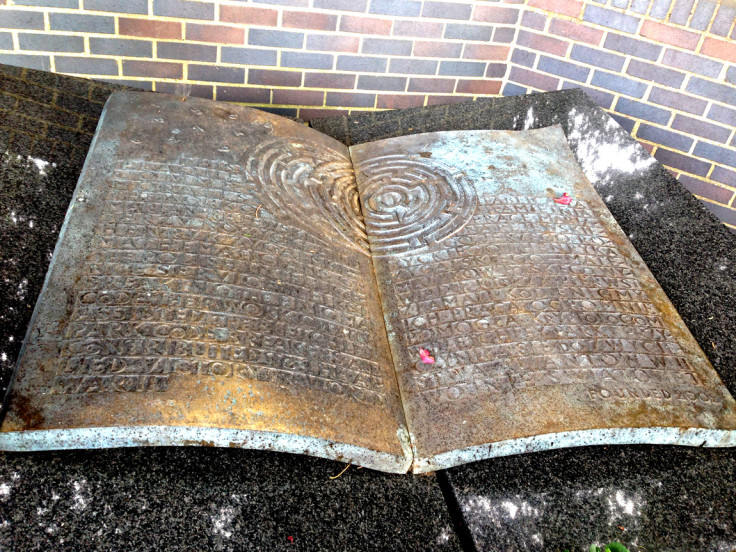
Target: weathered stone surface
[[663, 497], [187, 498]]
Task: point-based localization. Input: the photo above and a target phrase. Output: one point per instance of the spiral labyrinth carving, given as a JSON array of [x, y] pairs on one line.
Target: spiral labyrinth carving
[[411, 204], [310, 185]]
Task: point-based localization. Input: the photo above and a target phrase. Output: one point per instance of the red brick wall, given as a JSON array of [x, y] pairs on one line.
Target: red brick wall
[[666, 69]]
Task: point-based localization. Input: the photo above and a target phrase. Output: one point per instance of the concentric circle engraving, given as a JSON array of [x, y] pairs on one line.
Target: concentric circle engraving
[[411, 204], [310, 185]]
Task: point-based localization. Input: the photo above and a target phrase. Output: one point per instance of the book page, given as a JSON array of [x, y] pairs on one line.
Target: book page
[[212, 285], [520, 317]]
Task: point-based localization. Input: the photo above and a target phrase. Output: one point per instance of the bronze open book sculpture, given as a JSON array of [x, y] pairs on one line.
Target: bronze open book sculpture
[[228, 277]]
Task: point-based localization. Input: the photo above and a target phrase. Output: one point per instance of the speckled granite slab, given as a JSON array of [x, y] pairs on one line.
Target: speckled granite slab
[[649, 498]]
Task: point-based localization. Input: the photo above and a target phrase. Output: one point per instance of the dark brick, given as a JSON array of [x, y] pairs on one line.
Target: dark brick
[[205, 91], [406, 8], [576, 31], [705, 189], [307, 60], [399, 101], [280, 111], [462, 68], [712, 90], [724, 176], [682, 162], [723, 213], [533, 79], [446, 10], [542, 43], [350, 99], [184, 9], [47, 42], [731, 75], [692, 63], [249, 15], [333, 43], [504, 34], [603, 99], [678, 101], [512, 89], [482, 87], [292, 3], [722, 115], [660, 8], [591, 56], [413, 66], [362, 64], [211, 73], [443, 100], [496, 14], [17, 19], [701, 128], [715, 153], [563, 69], [86, 65], [496, 70], [6, 41], [619, 84], [122, 47], [158, 69], [26, 89], [342, 5], [655, 73], [193, 52], [117, 6], [394, 84], [220, 34], [82, 23], [243, 95], [533, 20], [431, 85], [631, 46], [523, 57], [486, 52], [664, 137], [639, 6], [328, 80], [702, 15], [681, 12], [298, 97], [387, 46], [248, 56], [274, 78], [277, 39], [309, 20], [423, 29], [309, 114], [152, 29], [611, 19], [72, 4], [468, 32], [642, 110], [624, 122], [723, 20]]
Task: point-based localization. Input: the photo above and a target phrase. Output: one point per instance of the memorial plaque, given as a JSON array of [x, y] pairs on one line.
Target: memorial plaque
[[211, 286], [222, 279], [520, 317]]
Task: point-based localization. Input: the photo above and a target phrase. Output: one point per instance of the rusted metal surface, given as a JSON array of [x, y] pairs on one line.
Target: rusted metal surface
[[518, 322], [211, 286]]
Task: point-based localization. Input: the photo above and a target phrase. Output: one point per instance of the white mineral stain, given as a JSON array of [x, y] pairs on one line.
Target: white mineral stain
[[81, 495], [600, 154], [444, 536], [222, 522], [502, 511], [530, 119]]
